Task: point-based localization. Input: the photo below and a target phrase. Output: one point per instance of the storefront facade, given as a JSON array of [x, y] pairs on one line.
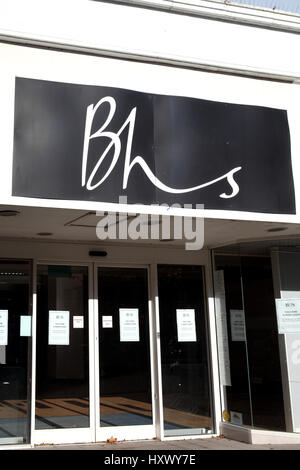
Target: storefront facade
[[149, 222]]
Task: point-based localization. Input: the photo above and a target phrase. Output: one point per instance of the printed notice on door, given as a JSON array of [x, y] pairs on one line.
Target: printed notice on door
[[129, 324], [186, 328], [25, 325], [59, 327], [107, 321], [78, 321], [237, 322], [3, 327], [288, 315]]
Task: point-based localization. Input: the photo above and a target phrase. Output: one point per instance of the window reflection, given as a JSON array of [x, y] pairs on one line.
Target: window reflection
[[62, 365], [15, 352], [185, 374], [255, 391]]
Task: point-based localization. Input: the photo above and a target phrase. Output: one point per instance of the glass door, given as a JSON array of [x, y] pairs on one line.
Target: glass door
[[93, 367], [125, 397], [15, 352], [96, 360], [184, 352], [62, 404]]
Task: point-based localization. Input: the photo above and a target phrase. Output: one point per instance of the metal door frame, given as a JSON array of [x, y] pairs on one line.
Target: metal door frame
[[124, 432]]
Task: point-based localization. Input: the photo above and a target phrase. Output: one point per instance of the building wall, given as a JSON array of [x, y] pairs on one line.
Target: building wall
[[29, 62], [158, 34], [131, 47], [152, 51]]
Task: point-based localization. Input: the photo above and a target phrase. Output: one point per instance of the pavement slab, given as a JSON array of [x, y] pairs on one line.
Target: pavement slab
[[210, 444]]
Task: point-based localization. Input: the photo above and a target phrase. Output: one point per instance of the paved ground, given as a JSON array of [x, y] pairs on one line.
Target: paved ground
[[215, 443]]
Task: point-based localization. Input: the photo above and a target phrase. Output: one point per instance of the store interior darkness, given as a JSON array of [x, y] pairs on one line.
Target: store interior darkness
[[185, 364], [255, 392], [15, 355], [62, 380], [62, 371], [125, 369]]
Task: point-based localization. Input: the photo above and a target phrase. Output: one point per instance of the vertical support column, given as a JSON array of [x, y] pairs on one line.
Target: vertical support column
[[33, 342], [156, 354], [94, 396], [286, 279], [212, 333]]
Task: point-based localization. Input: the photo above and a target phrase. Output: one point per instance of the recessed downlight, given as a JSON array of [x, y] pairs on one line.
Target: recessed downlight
[[45, 234], [9, 213], [276, 229]]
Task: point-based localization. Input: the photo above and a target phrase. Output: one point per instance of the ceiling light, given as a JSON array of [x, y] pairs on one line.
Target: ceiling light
[[276, 229], [44, 234], [8, 213]]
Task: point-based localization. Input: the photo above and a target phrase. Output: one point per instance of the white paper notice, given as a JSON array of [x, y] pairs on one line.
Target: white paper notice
[[78, 321], [25, 325], [186, 328], [107, 321], [3, 327], [288, 315], [59, 327], [129, 324], [237, 322]]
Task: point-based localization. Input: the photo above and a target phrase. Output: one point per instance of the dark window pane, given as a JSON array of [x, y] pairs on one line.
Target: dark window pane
[[62, 365], [238, 393], [256, 388], [124, 351], [185, 374], [15, 352], [262, 344]]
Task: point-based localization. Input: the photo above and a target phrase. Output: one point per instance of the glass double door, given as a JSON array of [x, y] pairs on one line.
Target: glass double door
[[93, 367], [101, 358]]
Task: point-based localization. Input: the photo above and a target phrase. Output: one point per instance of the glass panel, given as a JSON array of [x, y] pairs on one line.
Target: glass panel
[[62, 356], [124, 353], [15, 352], [185, 375], [254, 397], [236, 385], [262, 344]]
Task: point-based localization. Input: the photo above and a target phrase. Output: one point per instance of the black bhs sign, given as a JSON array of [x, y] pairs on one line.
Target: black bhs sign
[[82, 142]]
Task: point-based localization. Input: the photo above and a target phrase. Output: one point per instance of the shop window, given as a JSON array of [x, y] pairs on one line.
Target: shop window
[[249, 362], [15, 351]]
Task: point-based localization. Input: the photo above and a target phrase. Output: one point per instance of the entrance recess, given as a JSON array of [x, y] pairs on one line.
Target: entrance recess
[[96, 369], [93, 367]]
